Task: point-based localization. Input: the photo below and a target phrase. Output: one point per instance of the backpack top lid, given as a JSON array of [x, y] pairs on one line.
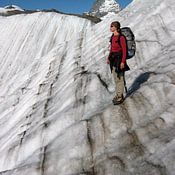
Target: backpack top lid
[[127, 32]]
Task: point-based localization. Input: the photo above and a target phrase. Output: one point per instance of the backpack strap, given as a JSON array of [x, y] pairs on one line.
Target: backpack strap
[[119, 37], [120, 43]]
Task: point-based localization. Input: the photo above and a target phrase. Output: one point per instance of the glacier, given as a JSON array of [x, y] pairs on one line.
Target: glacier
[[56, 113]]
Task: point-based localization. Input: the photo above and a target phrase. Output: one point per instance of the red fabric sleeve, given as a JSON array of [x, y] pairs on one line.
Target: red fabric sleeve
[[124, 49]]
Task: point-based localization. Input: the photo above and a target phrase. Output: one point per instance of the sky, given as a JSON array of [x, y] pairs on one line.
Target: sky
[[68, 6]]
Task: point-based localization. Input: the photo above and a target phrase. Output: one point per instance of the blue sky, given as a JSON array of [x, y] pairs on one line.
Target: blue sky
[[69, 6]]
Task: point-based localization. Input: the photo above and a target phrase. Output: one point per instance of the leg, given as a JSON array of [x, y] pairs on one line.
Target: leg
[[115, 78], [119, 83]]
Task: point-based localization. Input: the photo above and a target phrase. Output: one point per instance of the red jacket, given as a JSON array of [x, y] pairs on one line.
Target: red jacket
[[115, 47]]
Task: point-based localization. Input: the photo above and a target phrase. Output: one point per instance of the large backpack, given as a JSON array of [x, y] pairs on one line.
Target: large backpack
[[130, 40]]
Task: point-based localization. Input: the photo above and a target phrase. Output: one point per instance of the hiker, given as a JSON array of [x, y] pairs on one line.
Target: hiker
[[117, 61]]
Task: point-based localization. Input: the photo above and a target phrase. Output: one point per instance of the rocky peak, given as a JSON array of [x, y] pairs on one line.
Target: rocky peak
[[101, 8]]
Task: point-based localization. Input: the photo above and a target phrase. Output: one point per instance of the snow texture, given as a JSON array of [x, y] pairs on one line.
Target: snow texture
[[56, 90]]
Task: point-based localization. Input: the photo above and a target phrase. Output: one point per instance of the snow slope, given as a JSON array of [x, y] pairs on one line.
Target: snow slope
[[56, 114]]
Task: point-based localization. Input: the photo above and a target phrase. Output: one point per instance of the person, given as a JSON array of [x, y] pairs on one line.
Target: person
[[117, 61]]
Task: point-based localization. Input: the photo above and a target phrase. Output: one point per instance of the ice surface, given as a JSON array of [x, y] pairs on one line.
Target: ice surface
[[56, 114]]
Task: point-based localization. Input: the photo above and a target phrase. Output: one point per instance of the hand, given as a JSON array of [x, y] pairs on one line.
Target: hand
[[107, 61], [122, 66]]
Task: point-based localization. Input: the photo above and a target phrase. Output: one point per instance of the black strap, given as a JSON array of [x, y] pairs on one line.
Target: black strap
[[119, 40], [126, 90]]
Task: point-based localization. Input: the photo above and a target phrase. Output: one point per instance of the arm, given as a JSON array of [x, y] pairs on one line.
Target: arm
[[124, 49]]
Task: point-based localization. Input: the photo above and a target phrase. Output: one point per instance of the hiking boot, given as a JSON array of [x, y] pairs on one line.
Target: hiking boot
[[118, 100]]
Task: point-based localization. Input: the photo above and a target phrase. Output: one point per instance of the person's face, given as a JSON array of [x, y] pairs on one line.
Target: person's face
[[113, 28]]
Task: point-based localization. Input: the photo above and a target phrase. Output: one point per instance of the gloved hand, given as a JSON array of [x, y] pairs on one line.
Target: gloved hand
[[122, 65], [107, 61]]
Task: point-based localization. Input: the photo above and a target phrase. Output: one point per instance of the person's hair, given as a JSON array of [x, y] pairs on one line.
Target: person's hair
[[116, 24]]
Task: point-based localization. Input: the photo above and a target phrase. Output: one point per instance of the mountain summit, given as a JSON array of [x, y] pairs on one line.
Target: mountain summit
[[10, 9], [101, 8]]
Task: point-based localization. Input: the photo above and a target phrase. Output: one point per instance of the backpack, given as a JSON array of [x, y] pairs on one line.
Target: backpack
[[130, 41]]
